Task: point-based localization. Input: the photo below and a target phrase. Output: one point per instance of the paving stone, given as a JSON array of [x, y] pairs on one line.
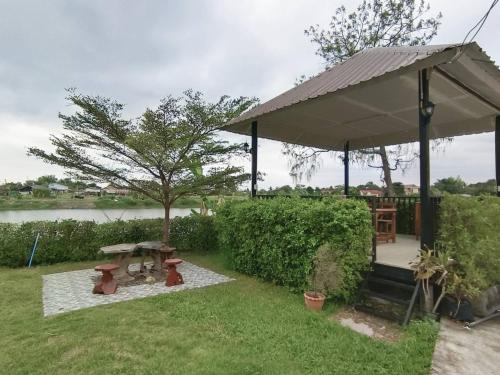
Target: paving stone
[[70, 291], [460, 351]]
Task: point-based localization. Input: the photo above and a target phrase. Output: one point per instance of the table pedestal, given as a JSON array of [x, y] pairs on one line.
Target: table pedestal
[[122, 260]]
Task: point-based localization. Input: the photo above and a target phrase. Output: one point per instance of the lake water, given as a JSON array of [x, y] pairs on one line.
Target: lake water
[[98, 215]]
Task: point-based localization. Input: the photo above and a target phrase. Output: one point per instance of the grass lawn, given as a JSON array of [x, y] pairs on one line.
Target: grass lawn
[[242, 327]]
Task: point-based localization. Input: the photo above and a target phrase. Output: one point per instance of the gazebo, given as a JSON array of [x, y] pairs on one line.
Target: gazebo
[[386, 96]]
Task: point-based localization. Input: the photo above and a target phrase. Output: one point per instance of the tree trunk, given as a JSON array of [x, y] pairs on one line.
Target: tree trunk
[[387, 172], [166, 225]]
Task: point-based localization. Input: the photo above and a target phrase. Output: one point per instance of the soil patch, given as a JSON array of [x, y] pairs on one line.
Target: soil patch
[[369, 325]]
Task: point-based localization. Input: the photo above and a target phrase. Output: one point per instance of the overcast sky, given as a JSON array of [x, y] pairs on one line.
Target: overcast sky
[[139, 51]]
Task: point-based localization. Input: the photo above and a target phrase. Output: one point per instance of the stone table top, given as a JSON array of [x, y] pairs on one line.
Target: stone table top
[[119, 248], [149, 245]]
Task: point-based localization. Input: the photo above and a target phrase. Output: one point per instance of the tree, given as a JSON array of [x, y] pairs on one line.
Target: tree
[[399, 189], [167, 153], [488, 187], [452, 185], [45, 180], [371, 185], [375, 23]]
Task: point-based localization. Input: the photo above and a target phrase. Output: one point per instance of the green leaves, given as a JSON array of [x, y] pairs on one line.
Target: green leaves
[[167, 153], [374, 23], [468, 230], [194, 232], [71, 240], [277, 239]]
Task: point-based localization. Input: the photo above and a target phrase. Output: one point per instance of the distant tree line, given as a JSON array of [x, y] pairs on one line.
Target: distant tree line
[[449, 185], [455, 185], [43, 181]]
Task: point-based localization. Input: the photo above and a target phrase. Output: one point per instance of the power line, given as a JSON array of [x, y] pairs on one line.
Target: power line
[[479, 25]]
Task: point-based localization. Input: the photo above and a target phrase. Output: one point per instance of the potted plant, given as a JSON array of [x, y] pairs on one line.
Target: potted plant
[[430, 269], [324, 278], [314, 300], [442, 271]]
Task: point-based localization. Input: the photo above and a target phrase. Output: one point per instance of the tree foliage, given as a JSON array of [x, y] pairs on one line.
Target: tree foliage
[[374, 23], [451, 185], [167, 153], [468, 230]]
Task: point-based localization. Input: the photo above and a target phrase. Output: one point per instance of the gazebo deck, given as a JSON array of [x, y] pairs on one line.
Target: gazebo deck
[[400, 253]]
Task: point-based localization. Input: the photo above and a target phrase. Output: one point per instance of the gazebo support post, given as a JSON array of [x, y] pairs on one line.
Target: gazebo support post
[[426, 238], [497, 154], [254, 159], [346, 168]]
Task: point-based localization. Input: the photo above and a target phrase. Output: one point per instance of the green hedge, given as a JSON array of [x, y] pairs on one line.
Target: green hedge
[[470, 231], [276, 239], [193, 232], [71, 240]]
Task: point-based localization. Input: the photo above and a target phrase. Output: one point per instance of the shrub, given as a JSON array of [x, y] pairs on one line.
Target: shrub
[[469, 231], [41, 193], [71, 240], [194, 232], [277, 239], [326, 276]]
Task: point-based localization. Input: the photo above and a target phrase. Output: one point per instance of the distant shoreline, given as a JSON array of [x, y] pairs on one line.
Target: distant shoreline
[[56, 203]]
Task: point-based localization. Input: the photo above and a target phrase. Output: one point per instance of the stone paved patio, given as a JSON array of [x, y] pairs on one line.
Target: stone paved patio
[[467, 352], [69, 291]]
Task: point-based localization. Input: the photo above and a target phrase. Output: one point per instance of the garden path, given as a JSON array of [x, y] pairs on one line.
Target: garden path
[[461, 351]]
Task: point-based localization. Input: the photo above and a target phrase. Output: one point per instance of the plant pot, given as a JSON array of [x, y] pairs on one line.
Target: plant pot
[[314, 300], [450, 307]]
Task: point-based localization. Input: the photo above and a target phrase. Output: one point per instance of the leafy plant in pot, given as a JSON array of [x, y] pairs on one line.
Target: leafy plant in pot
[[324, 278], [431, 268]]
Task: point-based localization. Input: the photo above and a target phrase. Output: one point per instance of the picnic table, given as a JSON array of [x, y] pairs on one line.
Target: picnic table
[[157, 251], [122, 253]]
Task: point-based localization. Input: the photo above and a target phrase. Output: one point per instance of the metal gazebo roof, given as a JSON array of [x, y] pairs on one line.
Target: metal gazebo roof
[[371, 99]]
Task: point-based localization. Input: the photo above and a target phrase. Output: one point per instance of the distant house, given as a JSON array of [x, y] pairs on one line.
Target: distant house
[[58, 188], [370, 192], [26, 190], [328, 191], [113, 190], [411, 189], [92, 191]]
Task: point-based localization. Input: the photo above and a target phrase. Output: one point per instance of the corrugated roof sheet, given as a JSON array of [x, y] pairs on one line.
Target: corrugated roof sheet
[[361, 67], [372, 99]]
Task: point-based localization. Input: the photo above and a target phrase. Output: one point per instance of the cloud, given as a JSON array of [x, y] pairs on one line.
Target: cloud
[[137, 52]]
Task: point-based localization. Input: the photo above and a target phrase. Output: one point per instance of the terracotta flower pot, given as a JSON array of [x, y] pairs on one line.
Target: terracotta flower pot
[[314, 300]]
